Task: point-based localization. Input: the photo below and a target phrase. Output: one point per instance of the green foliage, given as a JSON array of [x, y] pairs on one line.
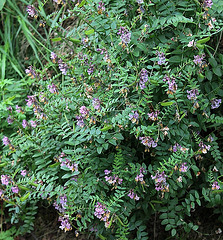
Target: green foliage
[[118, 117]]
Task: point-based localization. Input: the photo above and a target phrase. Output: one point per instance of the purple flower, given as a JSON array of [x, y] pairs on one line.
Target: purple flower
[[215, 103], [153, 116], [31, 100], [24, 123], [9, 108], [5, 179], [33, 123], [62, 66], [10, 119], [31, 11], [53, 57], [198, 59], [215, 186], [134, 117], [107, 172], [6, 141], [139, 178], [143, 78], [183, 167], [31, 72], [65, 224], [23, 173], [101, 7], [112, 179], [52, 88], [148, 142], [84, 111], [192, 94], [176, 147], [125, 36], [172, 87], [96, 103], [139, 1], [160, 182], [133, 195], [18, 109], [208, 3], [15, 189], [162, 58], [204, 148], [90, 69], [102, 212]]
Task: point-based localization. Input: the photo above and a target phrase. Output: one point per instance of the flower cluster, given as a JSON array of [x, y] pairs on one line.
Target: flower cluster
[[31, 11], [102, 212], [134, 117], [192, 94], [67, 163], [7, 142], [10, 119], [133, 195], [101, 7], [172, 84], [114, 180], [96, 103], [143, 78], [215, 103], [148, 142], [125, 36], [140, 176], [203, 148], [31, 72], [5, 179], [53, 88], [65, 224], [215, 186], [160, 182], [183, 167], [162, 58], [198, 60], [207, 3], [153, 116]]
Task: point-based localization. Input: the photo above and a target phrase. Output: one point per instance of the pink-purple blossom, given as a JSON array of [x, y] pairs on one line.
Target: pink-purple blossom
[[96, 103], [84, 111], [215, 186], [30, 101], [148, 142], [113, 179], [162, 58], [143, 78], [101, 212], [192, 94], [63, 66], [24, 123], [207, 3], [183, 167], [134, 116], [204, 148], [65, 224], [31, 72], [6, 141], [125, 35], [10, 119], [33, 123], [160, 182], [215, 103], [198, 59], [31, 11], [153, 116], [15, 189], [5, 179], [23, 173], [133, 195]]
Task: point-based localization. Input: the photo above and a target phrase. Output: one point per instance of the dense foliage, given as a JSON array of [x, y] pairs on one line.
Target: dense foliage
[[121, 118]]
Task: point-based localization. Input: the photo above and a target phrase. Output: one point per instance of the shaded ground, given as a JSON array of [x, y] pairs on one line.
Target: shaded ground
[[47, 228]]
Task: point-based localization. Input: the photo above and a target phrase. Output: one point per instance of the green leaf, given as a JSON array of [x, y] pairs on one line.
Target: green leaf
[[2, 3], [88, 32], [56, 39], [217, 71], [99, 150], [175, 59], [74, 40], [173, 232], [106, 128], [213, 62], [23, 198], [204, 40], [164, 104]]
